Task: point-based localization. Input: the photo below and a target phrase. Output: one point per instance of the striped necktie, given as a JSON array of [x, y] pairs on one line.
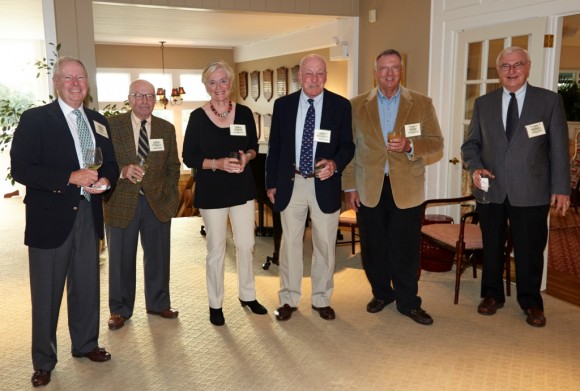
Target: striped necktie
[[85, 139], [143, 148]]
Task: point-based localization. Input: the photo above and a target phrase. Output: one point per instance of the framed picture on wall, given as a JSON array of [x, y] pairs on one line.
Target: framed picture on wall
[[267, 122], [258, 127], [294, 83], [282, 81], [243, 81], [255, 85], [267, 84]]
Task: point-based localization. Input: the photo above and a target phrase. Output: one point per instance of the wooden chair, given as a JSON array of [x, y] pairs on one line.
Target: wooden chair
[[348, 219], [463, 240], [575, 174]]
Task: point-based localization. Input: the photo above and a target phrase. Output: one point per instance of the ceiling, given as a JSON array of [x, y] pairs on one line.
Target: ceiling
[[147, 25]]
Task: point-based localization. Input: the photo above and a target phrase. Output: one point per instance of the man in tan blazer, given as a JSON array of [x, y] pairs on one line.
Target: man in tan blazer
[[394, 130], [143, 203]]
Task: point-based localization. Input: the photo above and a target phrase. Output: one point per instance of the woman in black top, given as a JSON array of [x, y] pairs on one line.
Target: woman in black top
[[224, 185]]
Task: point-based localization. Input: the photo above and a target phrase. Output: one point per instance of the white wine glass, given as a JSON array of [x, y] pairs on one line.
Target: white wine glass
[[486, 185], [93, 158], [141, 162]]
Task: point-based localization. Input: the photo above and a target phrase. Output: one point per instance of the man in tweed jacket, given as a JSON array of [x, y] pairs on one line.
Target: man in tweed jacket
[[143, 203]]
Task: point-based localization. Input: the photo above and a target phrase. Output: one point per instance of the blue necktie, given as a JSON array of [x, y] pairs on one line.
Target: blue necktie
[[512, 117], [306, 149], [85, 139]]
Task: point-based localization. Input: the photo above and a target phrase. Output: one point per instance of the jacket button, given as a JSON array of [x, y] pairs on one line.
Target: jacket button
[[75, 208]]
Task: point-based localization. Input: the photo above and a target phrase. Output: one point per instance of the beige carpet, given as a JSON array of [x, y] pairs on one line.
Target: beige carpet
[[358, 351]]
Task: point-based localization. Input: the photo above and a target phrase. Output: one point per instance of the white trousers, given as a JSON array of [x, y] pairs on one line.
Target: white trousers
[[242, 219], [324, 227]]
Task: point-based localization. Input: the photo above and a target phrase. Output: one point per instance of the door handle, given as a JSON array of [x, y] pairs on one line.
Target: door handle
[[454, 161]]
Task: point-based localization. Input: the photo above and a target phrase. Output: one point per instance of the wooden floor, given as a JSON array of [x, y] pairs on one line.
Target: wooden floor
[[563, 286]]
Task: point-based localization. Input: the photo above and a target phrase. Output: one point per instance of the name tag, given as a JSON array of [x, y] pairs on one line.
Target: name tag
[[322, 136], [237, 130], [156, 145], [535, 130], [101, 129], [412, 130]]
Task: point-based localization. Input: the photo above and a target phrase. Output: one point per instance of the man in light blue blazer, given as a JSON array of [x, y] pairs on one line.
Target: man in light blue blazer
[[523, 154]]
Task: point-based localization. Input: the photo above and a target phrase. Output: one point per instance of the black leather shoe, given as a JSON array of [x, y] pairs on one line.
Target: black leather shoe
[[420, 316], [40, 378], [284, 312], [326, 313], [377, 305], [256, 307], [216, 316]]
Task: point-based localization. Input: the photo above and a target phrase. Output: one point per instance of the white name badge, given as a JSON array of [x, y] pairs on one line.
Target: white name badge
[[237, 130], [322, 136], [412, 130], [535, 130], [156, 145], [101, 129]]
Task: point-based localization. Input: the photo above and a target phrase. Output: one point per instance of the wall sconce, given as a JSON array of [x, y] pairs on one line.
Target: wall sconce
[[176, 93]]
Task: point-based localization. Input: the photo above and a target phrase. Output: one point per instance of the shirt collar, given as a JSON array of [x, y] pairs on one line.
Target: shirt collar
[[384, 99]]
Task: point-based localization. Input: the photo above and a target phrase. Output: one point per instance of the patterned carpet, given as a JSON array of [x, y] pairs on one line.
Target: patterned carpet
[[564, 243], [358, 351]]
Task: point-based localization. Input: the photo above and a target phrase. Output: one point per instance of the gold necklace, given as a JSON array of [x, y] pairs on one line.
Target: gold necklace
[[224, 114]]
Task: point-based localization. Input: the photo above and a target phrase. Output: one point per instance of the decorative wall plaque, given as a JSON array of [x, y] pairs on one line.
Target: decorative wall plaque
[[282, 81], [255, 85], [295, 83], [257, 121], [268, 76], [267, 118], [243, 80]]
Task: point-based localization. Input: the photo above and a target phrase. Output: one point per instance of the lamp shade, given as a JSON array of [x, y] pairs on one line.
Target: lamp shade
[[161, 91], [181, 91]]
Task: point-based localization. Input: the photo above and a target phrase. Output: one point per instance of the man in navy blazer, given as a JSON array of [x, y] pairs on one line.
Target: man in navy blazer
[[64, 215], [527, 169], [294, 189]]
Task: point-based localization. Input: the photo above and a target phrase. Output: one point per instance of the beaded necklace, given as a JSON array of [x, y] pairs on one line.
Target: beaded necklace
[[224, 114]]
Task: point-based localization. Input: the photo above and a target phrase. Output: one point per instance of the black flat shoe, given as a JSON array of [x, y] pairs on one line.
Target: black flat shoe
[[216, 316], [256, 307]]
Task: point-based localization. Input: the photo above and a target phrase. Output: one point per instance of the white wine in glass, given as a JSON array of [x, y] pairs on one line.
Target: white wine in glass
[[93, 158], [140, 161]]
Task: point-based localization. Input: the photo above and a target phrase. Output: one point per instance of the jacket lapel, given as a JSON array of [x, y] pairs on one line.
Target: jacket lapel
[[372, 107]]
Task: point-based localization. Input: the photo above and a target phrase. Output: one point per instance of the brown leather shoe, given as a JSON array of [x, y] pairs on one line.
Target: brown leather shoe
[[169, 313], [40, 378], [489, 306], [326, 313], [116, 321], [535, 317], [97, 354], [284, 312]]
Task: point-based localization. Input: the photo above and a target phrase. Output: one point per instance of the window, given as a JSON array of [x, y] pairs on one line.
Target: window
[[113, 86]]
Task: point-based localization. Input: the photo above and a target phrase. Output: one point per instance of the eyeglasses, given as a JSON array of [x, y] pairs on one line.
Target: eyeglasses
[[394, 69], [517, 66], [149, 97]]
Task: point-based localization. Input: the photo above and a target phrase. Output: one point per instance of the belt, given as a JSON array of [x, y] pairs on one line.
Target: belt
[[299, 173]]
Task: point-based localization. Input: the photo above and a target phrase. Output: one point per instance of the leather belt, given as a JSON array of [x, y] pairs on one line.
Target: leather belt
[[299, 173]]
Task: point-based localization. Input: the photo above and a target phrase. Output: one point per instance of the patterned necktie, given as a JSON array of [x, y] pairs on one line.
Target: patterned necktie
[[85, 139], [306, 150], [512, 118], [143, 148]]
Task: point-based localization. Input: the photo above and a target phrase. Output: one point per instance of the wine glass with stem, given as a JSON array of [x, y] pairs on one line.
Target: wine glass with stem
[[93, 158]]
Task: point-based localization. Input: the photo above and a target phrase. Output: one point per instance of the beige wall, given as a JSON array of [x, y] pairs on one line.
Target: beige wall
[[121, 56], [336, 81], [400, 25]]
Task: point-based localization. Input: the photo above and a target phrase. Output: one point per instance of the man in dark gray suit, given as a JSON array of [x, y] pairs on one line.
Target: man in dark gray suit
[[64, 214], [521, 153]]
